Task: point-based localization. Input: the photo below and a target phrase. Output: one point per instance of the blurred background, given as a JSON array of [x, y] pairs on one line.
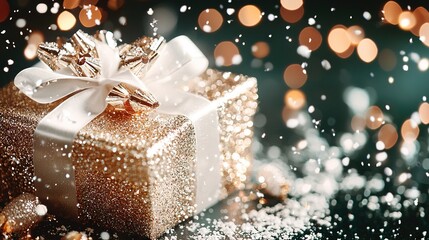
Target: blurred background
[[348, 79]]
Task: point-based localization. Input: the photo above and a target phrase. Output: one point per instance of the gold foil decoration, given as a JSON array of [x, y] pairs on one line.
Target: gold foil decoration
[[81, 57], [139, 54]]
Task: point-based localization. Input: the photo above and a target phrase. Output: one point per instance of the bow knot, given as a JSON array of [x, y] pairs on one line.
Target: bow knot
[[97, 61]]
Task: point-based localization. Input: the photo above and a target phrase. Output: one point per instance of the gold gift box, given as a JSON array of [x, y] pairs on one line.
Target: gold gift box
[[119, 185]]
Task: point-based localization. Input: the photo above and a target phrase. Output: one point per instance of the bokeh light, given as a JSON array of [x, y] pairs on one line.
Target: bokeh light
[[423, 64], [249, 15], [387, 60], [311, 38], [226, 54], [289, 116], [90, 16], [358, 123], [407, 20], [115, 4], [30, 51], [356, 34], [410, 130], [66, 21], [349, 51], [295, 76], [294, 99], [71, 4], [338, 39], [260, 49], [89, 2], [391, 11], [424, 33], [374, 117], [424, 113], [421, 15], [291, 4], [367, 50], [210, 20], [4, 10], [34, 39], [292, 16], [388, 135]]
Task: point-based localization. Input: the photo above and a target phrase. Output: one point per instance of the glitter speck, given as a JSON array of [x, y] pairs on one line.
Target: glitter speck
[[41, 8], [367, 15], [230, 11], [41, 210], [20, 23], [150, 12], [105, 236]]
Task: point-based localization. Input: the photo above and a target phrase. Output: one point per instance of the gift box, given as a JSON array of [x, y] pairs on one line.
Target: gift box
[[136, 173]]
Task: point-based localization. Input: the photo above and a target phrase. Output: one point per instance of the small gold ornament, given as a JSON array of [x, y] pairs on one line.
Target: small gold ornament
[[21, 214]]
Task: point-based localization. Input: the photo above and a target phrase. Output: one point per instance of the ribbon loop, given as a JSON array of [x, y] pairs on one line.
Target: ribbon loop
[[46, 86], [178, 62]]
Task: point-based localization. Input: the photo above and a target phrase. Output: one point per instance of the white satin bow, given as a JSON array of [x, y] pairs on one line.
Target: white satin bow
[[178, 62]]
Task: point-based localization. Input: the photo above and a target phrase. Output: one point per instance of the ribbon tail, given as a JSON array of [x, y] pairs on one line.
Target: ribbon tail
[[53, 141], [45, 86]]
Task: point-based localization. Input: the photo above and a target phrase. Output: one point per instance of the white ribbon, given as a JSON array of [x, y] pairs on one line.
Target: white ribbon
[[178, 62]]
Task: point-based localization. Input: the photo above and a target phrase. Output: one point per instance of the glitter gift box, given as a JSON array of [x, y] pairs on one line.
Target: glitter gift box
[[135, 173]]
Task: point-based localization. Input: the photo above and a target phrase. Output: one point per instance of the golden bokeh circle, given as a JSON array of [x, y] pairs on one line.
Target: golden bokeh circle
[[421, 15], [66, 21], [424, 113], [356, 34], [291, 16], [367, 50], [424, 33], [295, 76], [260, 49], [391, 11], [291, 5], [71, 4], [409, 130], [388, 135], [210, 20], [90, 16], [374, 117], [249, 15], [310, 37], [294, 99], [407, 20], [225, 52], [339, 40]]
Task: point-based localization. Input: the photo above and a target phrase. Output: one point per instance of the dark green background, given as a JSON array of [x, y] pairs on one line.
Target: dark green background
[[404, 96]]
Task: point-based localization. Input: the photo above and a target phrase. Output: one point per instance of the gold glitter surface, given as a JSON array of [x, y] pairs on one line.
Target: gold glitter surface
[[134, 173], [236, 96], [20, 214]]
